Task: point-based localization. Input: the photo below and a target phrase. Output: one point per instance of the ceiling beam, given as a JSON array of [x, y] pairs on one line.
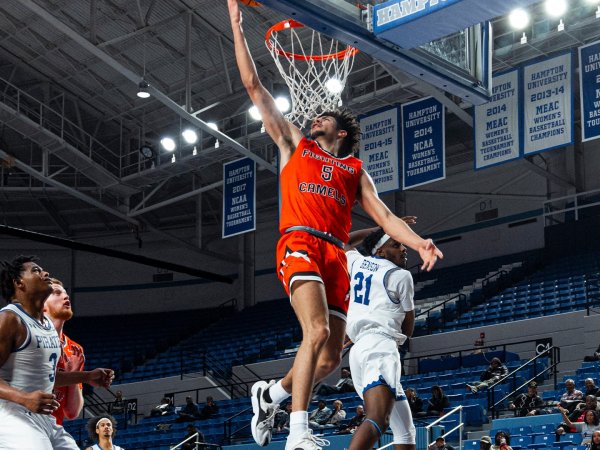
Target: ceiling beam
[[135, 78], [208, 187], [74, 192]]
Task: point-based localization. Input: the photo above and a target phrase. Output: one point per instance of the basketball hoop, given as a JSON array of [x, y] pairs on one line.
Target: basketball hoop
[[315, 69]]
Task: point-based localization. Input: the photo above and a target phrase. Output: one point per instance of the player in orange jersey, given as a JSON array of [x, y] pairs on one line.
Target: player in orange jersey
[[57, 308], [320, 179]]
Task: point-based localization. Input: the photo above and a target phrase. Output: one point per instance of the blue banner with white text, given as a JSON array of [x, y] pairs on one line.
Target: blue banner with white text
[[589, 82], [239, 197], [379, 148], [423, 142], [547, 104]]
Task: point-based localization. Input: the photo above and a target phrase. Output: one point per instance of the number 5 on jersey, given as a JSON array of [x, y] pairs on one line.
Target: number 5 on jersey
[[362, 288], [326, 172]]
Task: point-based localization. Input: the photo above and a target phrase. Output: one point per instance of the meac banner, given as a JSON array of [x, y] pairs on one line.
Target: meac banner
[[548, 104], [497, 124], [379, 148]]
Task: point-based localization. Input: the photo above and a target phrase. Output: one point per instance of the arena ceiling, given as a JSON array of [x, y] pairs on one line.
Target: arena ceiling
[[72, 125]]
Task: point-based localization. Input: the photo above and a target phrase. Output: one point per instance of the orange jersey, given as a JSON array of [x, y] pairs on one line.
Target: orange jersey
[[72, 359], [318, 190]]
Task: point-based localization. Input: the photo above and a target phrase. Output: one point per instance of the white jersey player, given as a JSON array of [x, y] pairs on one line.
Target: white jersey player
[[380, 317], [29, 350]]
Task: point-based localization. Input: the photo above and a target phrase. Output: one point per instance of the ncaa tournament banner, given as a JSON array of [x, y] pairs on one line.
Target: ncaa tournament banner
[[239, 197], [379, 148], [497, 123], [589, 82], [423, 142], [548, 104]]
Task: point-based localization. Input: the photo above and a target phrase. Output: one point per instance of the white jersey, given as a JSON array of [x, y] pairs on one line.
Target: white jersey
[[380, 295], [32, 366], [97, 447]]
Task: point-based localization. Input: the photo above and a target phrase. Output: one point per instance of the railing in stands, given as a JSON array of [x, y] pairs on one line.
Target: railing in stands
[[592, 294], [198, 445], [552, 352], [460, 426], [460, 300]]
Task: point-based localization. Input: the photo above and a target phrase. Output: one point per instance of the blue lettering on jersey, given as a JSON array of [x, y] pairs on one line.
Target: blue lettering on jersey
[[369, 265], [48, 341]]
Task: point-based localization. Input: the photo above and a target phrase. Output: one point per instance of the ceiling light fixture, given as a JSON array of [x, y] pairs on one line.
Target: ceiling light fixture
[[556, 8], [168, 144], [143, 89], [334, 85], [189, 136], [216, 128], [253, 111], [524, 38], [518, 19], [283, 104]]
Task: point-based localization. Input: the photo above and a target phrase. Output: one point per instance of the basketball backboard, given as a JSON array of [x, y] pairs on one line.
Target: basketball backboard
[[446, 43]]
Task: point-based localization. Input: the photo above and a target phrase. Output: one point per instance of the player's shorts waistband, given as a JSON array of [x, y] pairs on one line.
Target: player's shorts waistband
[[318, 233], [381, 333]]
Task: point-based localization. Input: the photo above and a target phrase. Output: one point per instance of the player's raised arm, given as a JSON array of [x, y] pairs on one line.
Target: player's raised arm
[[285, 134], [393, 225]]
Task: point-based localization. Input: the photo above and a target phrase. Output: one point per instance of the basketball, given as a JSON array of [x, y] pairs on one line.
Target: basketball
[[252, 3]]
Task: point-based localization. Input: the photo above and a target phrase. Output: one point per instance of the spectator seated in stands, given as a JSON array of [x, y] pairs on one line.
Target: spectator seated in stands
[[337, 416], [118, 405], [334, 420], [319, 416], [344, 384], [478, 347], [501, 441], [572, 397], [355, 421], [415, 403], [437, 402], [578, 415], [210, 409], [191, 444], [495, 372], [591, 388], [595, 445], [189, 412], [282, 418], [586, 428], [164, 409], [594, 357], [440, 444], [528, 404], [485, 443]]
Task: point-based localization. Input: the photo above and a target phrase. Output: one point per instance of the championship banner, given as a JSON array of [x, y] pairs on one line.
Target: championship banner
[[239, 194], [379, 148], [497, 123], [423, 142], [589, 88], [548, 104]]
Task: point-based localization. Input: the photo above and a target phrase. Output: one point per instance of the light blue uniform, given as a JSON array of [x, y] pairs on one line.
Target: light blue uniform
[[32, 367]]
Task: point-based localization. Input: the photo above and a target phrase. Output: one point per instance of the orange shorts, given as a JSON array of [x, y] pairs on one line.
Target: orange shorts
[[302, 256]]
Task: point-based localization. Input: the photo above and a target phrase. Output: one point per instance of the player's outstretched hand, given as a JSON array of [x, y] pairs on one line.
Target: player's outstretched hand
[[101, 377], [409, 220], [429, 254], [40, 402]]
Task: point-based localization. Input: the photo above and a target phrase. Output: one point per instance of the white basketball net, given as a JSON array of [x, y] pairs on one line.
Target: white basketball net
[[308, 68]]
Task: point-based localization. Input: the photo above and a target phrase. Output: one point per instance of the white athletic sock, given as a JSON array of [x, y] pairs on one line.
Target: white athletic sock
[[298, 425], [278, 393]]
